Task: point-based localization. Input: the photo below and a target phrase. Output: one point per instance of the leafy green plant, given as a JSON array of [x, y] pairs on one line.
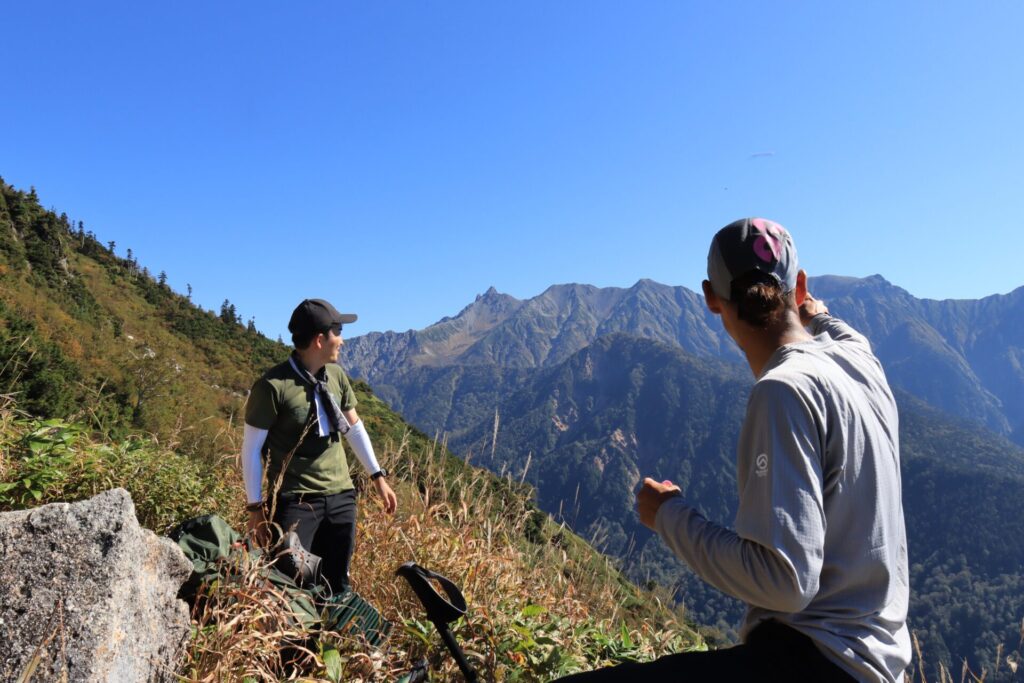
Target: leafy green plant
[[332, 663], [51, 460], [46, 451]]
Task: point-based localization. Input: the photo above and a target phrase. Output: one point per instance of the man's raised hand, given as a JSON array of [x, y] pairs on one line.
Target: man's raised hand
[[810, 308], [650, 497]]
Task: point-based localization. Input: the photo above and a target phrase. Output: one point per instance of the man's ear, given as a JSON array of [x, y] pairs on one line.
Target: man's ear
[[801, 287], [710, 298]]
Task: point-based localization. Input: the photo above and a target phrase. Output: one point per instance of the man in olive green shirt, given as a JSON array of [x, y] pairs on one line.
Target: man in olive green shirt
[[295, 416]]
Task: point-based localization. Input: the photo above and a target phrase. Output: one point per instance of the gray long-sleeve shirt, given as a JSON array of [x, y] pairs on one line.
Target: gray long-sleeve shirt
[[820, 542]]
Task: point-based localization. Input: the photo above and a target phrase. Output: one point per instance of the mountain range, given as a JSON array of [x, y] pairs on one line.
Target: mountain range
[[965, 357], [580, 391]]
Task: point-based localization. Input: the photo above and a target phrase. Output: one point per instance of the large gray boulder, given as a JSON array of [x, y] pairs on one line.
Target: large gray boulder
[[86, 594]]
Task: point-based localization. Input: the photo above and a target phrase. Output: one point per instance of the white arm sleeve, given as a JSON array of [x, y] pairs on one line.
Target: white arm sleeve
[[359, 440], [252, 466]]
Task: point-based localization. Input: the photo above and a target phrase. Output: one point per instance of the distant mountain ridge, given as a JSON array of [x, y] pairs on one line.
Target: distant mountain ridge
[[544, 330], [446, 376], [965, 357]]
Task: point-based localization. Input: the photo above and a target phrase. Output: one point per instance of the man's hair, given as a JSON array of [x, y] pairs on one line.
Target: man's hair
[[760, 299], [302, 340]]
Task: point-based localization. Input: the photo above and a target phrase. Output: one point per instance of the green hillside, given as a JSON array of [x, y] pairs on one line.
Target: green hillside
[[109, 378]]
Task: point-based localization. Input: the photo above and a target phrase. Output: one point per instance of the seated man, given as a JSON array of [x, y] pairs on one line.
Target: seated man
[[819, 551]]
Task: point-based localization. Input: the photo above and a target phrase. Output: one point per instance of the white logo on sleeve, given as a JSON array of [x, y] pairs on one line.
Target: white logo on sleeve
[[761, 465]]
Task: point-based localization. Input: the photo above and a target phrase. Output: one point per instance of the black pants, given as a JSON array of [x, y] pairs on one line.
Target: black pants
[[326, 525], [773, 652]]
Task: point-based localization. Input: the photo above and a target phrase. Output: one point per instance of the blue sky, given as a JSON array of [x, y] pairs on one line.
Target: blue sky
[[400, 158]]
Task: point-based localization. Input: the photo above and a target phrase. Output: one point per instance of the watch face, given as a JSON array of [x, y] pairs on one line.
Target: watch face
[[379, 473]]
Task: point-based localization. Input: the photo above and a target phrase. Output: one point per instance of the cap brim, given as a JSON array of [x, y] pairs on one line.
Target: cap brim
[[346, 318]]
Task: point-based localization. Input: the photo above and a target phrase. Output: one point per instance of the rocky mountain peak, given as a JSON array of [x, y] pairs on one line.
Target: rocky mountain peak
[[490, 295]]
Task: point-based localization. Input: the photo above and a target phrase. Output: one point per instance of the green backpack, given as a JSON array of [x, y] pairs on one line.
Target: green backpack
[[215, 550]]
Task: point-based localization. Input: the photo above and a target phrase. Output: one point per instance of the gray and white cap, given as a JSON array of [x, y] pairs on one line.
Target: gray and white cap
[[751, 244]]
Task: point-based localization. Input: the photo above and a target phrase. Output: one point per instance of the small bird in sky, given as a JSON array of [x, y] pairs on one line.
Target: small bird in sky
[[756, 155]]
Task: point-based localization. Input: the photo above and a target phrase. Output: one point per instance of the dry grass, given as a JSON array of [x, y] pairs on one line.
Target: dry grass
[[541, 601], [1010, 666], [535, 610]]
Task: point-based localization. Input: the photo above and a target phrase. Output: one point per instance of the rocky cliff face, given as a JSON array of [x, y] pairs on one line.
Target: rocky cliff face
[[86, 594]]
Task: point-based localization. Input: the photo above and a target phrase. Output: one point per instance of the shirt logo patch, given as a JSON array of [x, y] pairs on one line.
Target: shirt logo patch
[[761, 465]]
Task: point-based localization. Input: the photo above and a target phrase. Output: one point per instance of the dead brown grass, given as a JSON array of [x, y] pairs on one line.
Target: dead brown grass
[[472, 532]]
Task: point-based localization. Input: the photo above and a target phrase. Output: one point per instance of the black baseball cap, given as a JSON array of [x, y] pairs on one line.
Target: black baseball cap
[[751, 244], [313, 316]]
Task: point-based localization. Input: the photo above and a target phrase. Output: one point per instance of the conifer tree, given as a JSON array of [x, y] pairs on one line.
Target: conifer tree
[[229, 314]]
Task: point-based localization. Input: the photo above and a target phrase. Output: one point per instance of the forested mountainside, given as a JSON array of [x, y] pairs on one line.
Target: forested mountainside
[[109, 378], [87, 333], [584, 429]]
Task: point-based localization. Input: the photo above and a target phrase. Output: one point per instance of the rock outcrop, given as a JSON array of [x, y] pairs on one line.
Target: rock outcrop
[[86, 594]]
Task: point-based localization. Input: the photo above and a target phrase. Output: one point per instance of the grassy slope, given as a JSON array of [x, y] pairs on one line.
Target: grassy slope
[[542, 601]]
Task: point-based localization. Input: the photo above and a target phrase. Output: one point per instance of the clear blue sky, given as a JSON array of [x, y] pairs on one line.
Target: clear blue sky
[[399, 158]]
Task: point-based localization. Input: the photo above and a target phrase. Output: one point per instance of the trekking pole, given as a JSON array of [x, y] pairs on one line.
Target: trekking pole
[[457, 653], [440, 610]]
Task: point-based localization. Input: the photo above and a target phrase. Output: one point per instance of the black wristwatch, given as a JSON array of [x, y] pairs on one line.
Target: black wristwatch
[[378, 474]]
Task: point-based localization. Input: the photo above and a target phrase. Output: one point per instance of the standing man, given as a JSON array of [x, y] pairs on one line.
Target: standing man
[[296, 414], [819, 550]]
